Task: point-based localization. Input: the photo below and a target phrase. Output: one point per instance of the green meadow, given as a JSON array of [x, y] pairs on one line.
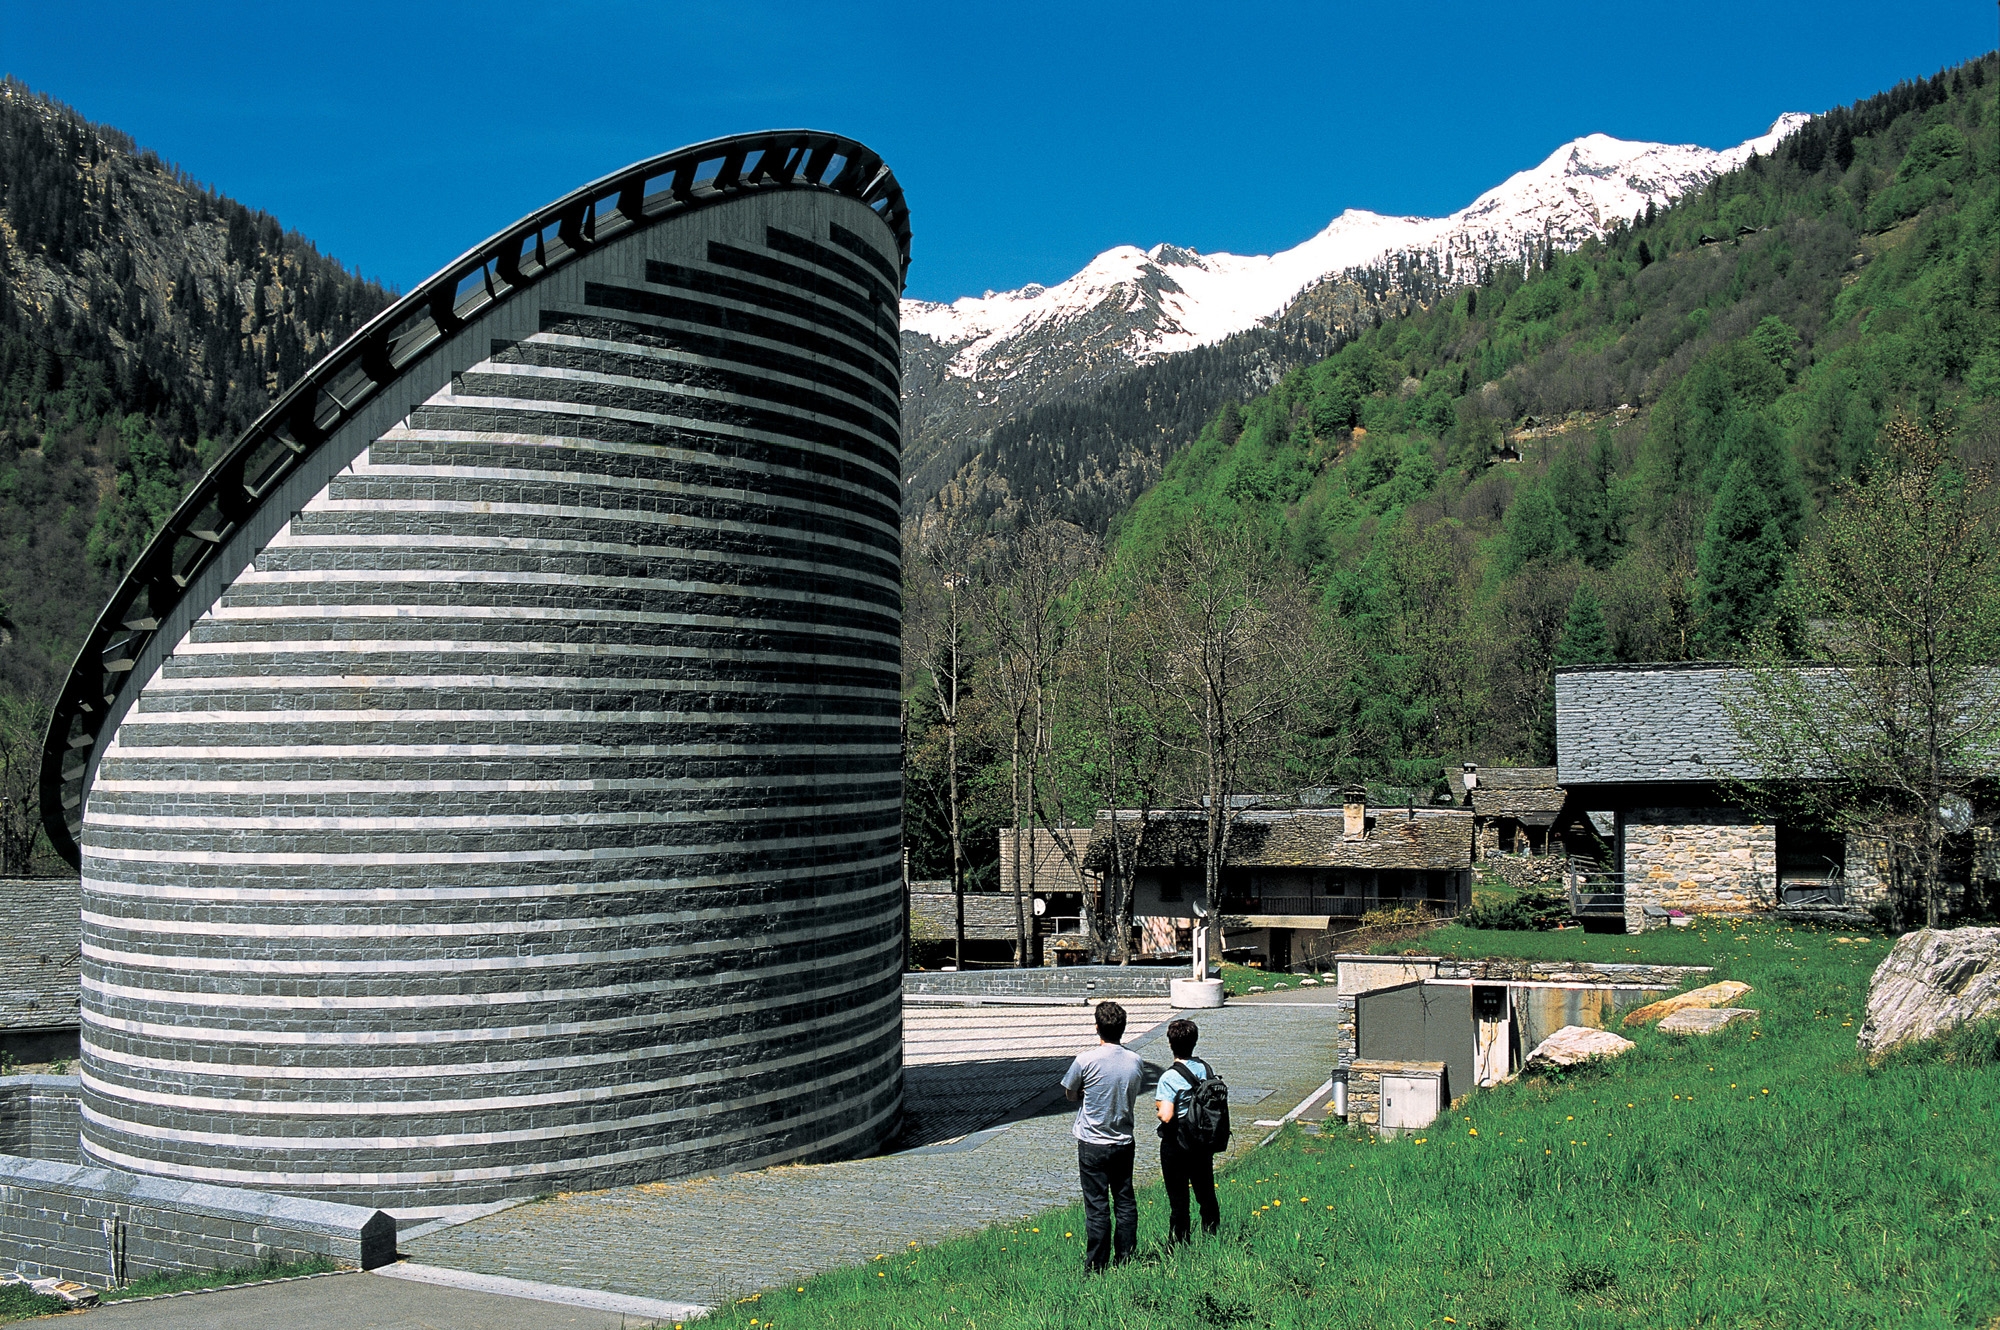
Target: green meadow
[[1762, 1177]]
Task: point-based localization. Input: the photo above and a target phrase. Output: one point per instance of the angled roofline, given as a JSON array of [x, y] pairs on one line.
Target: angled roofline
[[311, 411]]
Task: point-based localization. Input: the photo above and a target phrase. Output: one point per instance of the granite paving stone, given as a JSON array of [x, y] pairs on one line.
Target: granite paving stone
[[712, 1239]]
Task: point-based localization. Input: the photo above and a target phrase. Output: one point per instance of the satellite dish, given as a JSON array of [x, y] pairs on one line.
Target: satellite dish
[[1041, 907], [1955, 812]]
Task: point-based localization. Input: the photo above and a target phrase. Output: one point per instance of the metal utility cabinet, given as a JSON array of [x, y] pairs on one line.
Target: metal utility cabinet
[[1412, 1097]]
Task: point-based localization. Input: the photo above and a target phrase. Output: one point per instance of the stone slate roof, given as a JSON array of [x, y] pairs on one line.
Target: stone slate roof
[[1639, 724], [1516, 792], [41, 931], [1398, 838]]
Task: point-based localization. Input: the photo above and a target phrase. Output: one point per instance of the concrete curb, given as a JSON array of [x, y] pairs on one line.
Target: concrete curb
[[589, 1299]]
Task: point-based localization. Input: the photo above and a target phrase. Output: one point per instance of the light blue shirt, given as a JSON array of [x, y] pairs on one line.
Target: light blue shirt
[[1173, 1084]]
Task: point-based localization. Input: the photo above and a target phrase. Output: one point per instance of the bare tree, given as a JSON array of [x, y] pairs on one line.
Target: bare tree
[[1892, 725], [1121, 764], [1029, 630], [20, 785], [938, 629], [1241, 660]]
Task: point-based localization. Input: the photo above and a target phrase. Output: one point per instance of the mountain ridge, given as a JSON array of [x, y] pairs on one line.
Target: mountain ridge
[[974, 363]]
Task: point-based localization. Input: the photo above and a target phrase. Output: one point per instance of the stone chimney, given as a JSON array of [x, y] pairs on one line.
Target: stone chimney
[[1356, 809]]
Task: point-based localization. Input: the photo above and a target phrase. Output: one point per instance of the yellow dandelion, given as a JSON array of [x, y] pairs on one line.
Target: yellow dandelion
[[1069, 1235], [1472, 1131]]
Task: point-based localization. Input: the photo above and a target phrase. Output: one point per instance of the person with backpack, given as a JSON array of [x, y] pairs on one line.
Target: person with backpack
[[1194, 1127], [1104, 1084]]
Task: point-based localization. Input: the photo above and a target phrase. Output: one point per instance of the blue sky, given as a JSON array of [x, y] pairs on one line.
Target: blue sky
[[1029, 136]]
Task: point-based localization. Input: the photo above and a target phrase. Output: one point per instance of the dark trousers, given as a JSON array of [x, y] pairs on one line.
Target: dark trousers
[[1184, 1169], [1106, 1171]]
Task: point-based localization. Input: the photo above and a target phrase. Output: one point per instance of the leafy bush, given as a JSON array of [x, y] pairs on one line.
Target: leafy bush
[[1531, 911]]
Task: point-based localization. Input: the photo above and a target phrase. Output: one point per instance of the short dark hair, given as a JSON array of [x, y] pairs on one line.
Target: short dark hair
[[1181, 1036], [1110, 1022]]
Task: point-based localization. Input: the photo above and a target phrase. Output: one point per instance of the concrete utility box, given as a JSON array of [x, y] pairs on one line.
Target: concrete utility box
[[1412, 1096], [1420, 1022]]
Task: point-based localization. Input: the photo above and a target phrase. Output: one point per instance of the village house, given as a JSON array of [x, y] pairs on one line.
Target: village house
[[1515, 810], [40, 935], [1652, 749], [1295, 877]]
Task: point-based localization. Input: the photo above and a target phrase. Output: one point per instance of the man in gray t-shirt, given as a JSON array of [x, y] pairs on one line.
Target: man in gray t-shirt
[[1104, 1084]]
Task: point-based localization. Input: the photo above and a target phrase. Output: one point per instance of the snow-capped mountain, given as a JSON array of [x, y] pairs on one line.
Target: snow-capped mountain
[[1136, 305]]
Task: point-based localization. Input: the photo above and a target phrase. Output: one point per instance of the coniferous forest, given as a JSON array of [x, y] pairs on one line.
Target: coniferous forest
[[144, 321]]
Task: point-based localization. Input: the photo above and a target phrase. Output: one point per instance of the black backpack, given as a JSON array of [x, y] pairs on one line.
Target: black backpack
[[1201, 1115]]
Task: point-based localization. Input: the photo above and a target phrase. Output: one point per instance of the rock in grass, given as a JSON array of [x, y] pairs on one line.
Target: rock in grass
[[1703, 1020], [1572, 1045], [1714, 995], [1934, 980]]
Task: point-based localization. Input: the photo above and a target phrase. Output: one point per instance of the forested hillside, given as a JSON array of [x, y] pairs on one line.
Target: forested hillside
[[1766, 329], [144, 321], [1613, 455]]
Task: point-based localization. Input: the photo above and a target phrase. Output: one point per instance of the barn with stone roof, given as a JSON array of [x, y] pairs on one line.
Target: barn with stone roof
[[1654, 747]]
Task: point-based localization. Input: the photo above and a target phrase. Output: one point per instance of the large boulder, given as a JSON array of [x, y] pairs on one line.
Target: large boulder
[[1714, 995], [1934, 980], [1574, 1044], [1704, 1020]]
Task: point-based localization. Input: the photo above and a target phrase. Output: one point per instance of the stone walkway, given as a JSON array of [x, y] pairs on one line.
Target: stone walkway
[[712, 1239]]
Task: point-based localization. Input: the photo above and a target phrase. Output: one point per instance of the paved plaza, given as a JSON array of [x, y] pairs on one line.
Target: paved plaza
[[986, 1140], [961, 1166]]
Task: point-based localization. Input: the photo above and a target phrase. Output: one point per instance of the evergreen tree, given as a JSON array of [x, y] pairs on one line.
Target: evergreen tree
[[1741, 568], [1585, 639], [1533, 532], [1754, 441], [1583, 490]]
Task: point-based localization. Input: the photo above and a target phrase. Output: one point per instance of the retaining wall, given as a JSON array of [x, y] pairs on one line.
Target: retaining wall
[[1358, 974], [1070, 982], [39, 1118], [105, 1228]]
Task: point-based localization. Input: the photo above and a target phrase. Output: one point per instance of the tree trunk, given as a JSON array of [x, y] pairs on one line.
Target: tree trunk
[[951, 798], [1020, 909]]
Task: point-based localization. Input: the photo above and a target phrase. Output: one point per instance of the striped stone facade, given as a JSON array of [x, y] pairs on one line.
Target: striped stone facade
[[527, 813]]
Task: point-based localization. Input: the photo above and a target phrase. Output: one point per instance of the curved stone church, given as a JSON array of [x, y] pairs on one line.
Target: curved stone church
[[489, 782]]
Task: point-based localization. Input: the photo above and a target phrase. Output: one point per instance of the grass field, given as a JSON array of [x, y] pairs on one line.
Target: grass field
[[1763, 1177]]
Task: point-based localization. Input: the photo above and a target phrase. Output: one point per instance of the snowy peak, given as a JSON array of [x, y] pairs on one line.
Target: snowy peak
[[1134, 305]]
